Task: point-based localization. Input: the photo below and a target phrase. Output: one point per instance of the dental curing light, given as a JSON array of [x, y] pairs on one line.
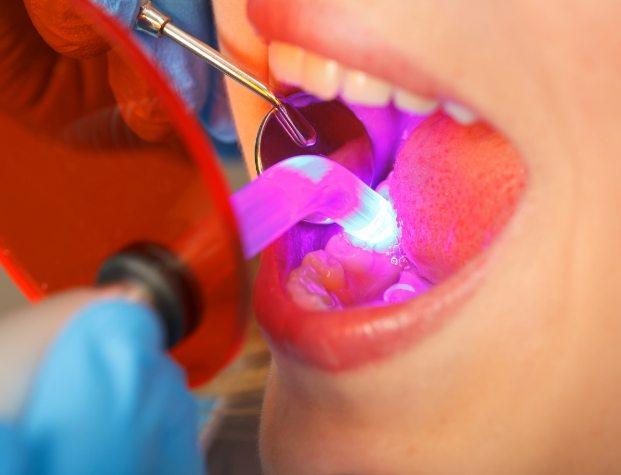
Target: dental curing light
[[284, 195], [120, 185], [309, 186], [292, 190], [373, 224], [104, 163]]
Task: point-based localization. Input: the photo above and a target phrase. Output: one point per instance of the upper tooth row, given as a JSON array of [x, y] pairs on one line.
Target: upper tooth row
[[326, 79]]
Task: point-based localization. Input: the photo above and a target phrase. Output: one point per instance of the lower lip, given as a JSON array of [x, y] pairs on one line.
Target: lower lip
[[347, 339]]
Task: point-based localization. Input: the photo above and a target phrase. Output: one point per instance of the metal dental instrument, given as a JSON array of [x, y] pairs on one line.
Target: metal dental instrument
[[313, 127], [156, 23], [341, 137]]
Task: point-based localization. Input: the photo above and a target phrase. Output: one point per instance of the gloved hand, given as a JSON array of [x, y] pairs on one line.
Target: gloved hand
[[106, 399], [41, 82]]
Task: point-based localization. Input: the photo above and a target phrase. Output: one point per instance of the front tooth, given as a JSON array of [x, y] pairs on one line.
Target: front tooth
[[321, 76], [286, 62], [361, 88], [409, 102], [460, 113]]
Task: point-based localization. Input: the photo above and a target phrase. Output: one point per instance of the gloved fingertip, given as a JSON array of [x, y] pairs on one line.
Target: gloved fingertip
[[11, 453], [66, 29]]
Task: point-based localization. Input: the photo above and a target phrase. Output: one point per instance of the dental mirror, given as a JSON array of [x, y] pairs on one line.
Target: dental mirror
[[297, 125], [158, 24], [341, 137]]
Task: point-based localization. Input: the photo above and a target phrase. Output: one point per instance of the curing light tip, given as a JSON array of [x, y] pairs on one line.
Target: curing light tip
[[373, 225], [313, 186]]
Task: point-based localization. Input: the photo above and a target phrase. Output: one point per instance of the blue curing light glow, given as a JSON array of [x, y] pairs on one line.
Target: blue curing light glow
[[374, 224]]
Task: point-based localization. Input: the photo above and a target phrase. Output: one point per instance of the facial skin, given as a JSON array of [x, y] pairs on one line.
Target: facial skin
[[525, 378]]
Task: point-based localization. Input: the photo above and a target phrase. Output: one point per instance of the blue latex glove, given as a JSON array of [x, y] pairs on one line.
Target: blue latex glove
[[200, 85], [107, 399]]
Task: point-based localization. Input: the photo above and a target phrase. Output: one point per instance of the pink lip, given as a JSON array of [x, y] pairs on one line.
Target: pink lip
[[346, 339]]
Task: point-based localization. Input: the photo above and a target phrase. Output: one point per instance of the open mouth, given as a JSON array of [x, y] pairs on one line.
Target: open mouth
[[454, 181]]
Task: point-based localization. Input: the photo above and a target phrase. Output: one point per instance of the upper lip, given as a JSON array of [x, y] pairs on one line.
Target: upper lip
[[352, 44], [348, 338]]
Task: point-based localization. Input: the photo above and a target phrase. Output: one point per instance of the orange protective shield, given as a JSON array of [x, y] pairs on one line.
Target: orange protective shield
[[99, 153]]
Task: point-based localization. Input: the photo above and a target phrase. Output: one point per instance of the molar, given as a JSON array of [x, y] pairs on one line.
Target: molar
[[305, 289], [329, 270]]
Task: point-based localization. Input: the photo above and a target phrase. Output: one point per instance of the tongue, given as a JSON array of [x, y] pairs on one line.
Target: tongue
[[453, 188]]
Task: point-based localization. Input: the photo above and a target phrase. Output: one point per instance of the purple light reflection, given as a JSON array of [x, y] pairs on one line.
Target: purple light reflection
[[307, 185]]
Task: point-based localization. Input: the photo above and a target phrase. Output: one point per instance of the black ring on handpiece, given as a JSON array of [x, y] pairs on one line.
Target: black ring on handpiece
[[165, 278]]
